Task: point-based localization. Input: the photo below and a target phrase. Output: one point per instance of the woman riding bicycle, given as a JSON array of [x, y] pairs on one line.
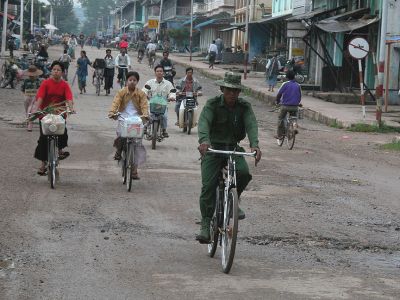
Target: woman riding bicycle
[[53, 91], [130, 102]]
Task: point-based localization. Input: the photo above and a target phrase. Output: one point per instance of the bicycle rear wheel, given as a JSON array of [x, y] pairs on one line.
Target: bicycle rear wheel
[[290, 136], [129, 166], [214, 226], [51, 159], [229, 230]]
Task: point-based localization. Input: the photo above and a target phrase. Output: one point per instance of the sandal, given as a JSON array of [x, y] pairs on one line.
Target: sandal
[[63, 155], [135, 176], [42, 171]]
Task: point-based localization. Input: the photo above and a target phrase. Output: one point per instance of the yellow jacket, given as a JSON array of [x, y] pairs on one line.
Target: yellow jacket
[[122, 98]]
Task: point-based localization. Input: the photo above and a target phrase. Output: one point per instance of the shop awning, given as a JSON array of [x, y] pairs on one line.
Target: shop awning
[[209, 22], [344, 26], [271, 19], [187, 22], [238, 27], [350, 14], [314, 13]]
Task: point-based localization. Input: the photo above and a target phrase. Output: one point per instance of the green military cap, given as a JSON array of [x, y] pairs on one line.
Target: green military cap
[[231, 80]]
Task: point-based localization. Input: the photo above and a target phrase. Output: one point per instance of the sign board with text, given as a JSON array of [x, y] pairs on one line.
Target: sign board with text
[[153, 23]]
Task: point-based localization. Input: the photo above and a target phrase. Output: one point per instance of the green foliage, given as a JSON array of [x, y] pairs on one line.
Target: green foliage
[[395, 146], [361, 127], [64, 16], [94, 10], [179, 35], [335, 124]]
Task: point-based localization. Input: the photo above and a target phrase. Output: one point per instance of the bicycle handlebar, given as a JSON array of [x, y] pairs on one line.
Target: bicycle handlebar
[[236, 153]]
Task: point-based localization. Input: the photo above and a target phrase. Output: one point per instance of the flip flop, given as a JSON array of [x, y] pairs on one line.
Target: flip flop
[[42, 172], [63, 155]]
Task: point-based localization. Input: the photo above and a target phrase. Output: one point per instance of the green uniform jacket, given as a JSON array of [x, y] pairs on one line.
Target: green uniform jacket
[[220, 126]]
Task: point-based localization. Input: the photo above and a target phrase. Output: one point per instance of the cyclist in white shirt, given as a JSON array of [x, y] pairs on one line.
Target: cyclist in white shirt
[[161, 87], [121, 62], [151, 49]]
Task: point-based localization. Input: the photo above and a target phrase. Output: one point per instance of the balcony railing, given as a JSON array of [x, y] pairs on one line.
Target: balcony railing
[[171, 12], [199, 8], [218, 3]]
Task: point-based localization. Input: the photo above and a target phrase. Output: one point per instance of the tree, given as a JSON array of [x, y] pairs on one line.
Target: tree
[[64, 16], [95, 11]]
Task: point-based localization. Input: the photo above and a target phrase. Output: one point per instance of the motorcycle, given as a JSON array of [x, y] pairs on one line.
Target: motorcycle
[[292, 65], [140, 56], [188, 110], [9, 75], [169, 74], [158, 107]]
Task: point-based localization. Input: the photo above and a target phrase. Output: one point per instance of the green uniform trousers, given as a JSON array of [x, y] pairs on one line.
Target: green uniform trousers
[[210, 169]]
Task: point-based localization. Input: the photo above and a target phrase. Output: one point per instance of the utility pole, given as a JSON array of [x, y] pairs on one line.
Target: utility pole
[[21, 26], [159, 19], [32, 17], [191, 30], [246, 41], [4, 33], [134, 21], [381, 66]]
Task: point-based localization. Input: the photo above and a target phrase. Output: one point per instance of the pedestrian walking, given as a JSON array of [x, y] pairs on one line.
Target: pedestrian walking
[[273, 66], [220, 46], [109, 71], [82, 71], [30, 87], [212, 54], [65, 59]]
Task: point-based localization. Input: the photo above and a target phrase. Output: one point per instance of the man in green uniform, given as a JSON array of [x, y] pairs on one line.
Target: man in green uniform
[[223, 123]]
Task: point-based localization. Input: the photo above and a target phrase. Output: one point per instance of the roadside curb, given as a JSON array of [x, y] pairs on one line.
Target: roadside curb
[[270, 100]]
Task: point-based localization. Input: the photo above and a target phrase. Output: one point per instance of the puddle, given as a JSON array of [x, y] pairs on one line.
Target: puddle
[[6, 264]]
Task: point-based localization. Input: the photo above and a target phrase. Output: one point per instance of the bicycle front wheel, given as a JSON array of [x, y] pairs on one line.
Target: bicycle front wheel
[[290, 136], [129, 166], [154, 136], [51, 159], [123, 165], [190, 122], [229, 230]]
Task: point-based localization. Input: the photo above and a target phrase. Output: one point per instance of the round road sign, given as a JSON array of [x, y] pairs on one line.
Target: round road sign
[[358, 48]]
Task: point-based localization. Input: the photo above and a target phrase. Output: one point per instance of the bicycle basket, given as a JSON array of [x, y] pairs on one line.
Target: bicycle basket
[[99, 63], [131, 127], [53, 125], [158, 105]]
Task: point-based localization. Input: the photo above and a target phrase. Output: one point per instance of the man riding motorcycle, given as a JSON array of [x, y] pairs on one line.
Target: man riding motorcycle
[[169, 70], [186, 84]]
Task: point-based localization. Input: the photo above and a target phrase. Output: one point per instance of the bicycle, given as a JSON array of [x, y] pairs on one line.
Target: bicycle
[[224, 223], [122, 81], [53, 125], [290, 128], [152, 59], [132, 132], [98, 80]]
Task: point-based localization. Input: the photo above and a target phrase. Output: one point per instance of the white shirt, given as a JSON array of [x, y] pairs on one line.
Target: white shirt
[[130, 111], [161, 88], [213, 48], [151, 47], [122, 60]]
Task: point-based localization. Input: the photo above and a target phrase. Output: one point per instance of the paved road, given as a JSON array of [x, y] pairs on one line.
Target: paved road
[[322, 219]]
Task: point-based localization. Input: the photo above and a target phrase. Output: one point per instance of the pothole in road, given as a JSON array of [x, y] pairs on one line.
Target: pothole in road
[[318, 242]]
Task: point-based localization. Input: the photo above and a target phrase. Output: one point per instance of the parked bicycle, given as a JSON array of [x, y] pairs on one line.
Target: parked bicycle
[[290, 127], [224, 223], [132, 132]]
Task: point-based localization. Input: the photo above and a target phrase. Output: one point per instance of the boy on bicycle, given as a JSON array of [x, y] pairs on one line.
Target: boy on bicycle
[[289, 97], [223, 123]]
